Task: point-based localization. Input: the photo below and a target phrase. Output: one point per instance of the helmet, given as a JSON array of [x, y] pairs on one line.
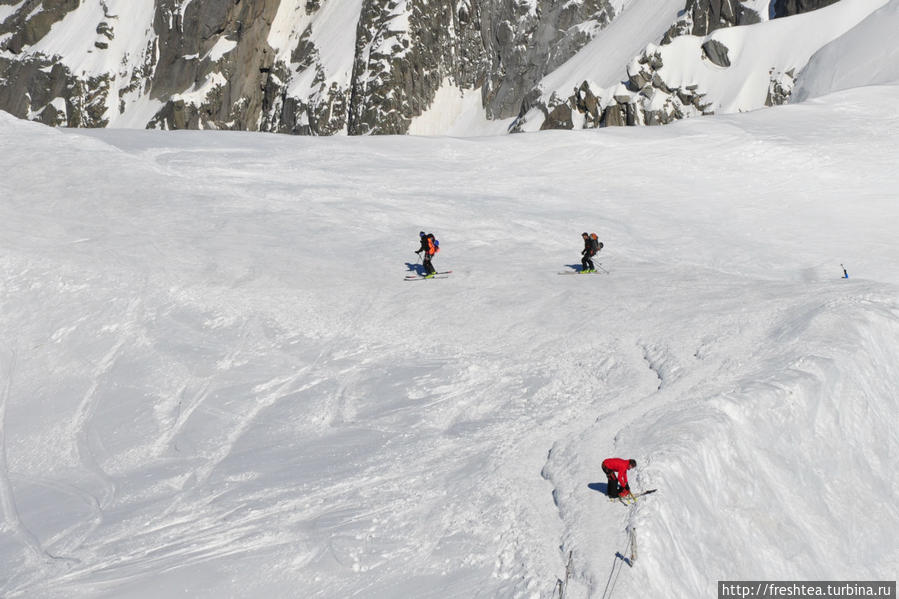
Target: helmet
[[585, 234], [421, 233]]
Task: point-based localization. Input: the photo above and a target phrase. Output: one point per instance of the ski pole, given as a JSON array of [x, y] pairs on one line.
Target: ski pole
[[599, 264]]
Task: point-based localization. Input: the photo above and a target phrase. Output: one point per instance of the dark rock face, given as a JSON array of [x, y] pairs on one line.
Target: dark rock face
[[559, 118], [182, 41], [396, 73], [716, 52], [522, 45], [786, 8], [701, 17]]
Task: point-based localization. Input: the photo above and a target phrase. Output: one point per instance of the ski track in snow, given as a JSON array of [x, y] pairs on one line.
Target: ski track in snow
[[11, 518], [251, 401]]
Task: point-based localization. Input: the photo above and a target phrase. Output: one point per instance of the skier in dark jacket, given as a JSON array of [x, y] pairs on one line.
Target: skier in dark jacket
[[590, 248], [616, 471], [429, 247]]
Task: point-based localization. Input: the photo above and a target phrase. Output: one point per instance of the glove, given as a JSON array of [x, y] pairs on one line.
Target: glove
[[418, 251]]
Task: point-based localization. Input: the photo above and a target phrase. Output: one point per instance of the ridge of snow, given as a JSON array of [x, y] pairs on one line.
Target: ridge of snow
[[854, 59]]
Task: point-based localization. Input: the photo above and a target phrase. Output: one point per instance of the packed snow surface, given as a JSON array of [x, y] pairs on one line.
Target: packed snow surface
[[215, 381]]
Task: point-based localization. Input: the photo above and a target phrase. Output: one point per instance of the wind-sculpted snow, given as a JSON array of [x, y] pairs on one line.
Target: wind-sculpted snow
[[215, 381], [852, 61]]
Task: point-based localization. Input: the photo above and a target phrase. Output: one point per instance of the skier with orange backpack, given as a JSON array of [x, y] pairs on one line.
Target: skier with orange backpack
[[592, 245], [430, 246]]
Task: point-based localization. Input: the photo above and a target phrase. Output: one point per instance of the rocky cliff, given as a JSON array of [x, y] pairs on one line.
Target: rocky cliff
[[321, 67]]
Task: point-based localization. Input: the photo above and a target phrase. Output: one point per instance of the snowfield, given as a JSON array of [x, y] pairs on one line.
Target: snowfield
[[216, 382]]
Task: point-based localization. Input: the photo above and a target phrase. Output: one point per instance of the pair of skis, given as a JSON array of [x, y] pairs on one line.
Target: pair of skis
[[437, 275], [600, 271]]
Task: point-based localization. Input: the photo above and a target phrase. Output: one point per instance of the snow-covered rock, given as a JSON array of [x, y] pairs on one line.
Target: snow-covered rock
[[732, 69]]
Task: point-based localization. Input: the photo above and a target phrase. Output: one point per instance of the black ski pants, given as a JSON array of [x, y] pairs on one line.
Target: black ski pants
[[612, 489], [426, 262]]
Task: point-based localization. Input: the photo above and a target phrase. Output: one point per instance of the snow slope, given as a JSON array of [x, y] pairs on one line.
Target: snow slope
[[72, 39], [216, 383], [603, 59], [852, 60]]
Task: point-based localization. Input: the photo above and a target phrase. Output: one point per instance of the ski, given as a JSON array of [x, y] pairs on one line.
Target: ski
[[642, 493]]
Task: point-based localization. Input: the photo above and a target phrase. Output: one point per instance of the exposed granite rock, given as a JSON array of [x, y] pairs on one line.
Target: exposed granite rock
[[701, 17], [786, 8], [184, 43], [716, 52], [516, 63], [52, 116], [558, 118], [588, 104], [399, 63]]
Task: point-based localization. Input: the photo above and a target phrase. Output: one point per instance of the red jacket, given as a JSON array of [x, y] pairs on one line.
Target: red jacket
[[619, 466]]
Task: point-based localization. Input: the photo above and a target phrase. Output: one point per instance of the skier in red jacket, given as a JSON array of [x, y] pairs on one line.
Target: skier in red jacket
[[616, 471]]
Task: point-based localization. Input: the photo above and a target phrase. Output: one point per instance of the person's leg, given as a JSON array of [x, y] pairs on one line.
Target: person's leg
[[612, 486]]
